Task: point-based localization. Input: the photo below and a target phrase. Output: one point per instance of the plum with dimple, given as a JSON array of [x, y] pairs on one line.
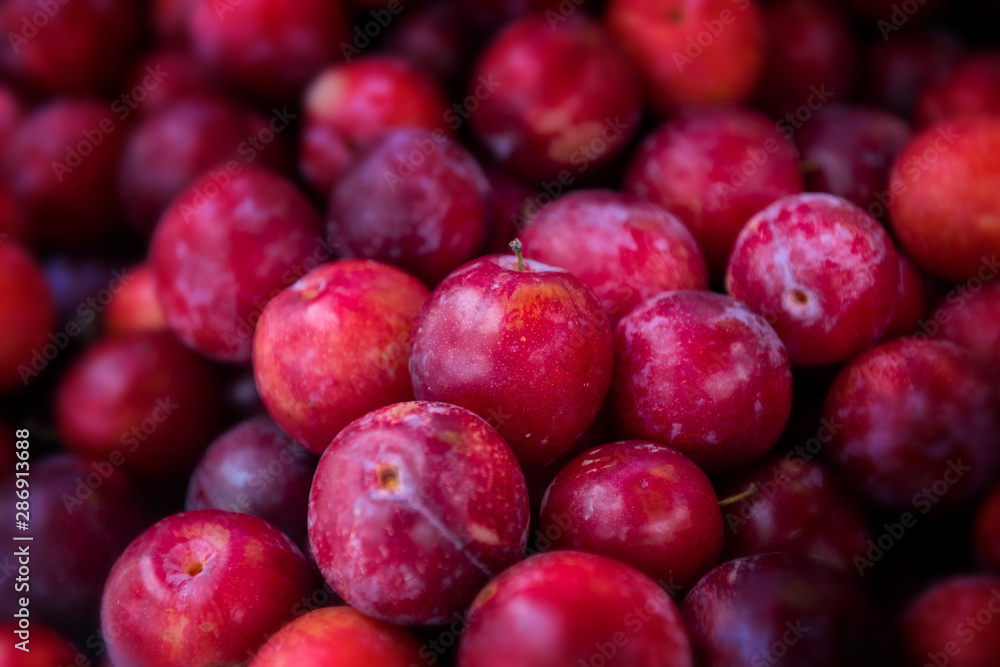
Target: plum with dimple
[[822, 272], [414, 507], [200, 589]]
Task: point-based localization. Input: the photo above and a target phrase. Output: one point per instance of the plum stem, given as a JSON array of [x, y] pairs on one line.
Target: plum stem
[[751, 491], [516, 246]]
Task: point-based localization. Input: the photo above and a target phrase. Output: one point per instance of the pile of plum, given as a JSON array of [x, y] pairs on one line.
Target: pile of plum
[[500, 333]]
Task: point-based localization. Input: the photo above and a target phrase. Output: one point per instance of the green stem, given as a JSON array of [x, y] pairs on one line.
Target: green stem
[[516, 246], [751, 491]]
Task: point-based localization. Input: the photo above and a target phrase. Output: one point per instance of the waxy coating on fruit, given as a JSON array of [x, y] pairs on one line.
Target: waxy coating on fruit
[[587, 606], [524, 345], [640, 503], [413, 198], [703, 374], [625, 249], [822, 272], [334, 346], [341, 636], [919, 428], [413, 508], [226, 246], [201, 588]]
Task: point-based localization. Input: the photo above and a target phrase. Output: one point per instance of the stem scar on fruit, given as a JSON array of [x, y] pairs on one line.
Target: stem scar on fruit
[[516, 246]]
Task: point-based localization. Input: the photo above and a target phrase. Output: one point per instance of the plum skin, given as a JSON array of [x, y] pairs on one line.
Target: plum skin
[[641, 503], [800, 506], [625, 249], [413, 198], [714, 168], [560, 97], [413, 508], [227, 245], [28, 309], [950, 171], [255, 468], [744, 611], [340, 636], [918, 425], [143, 402], [593, 606], [201, 588], [822, 271], [336, 345], [529, 351], [703, 374], [944, 624]]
